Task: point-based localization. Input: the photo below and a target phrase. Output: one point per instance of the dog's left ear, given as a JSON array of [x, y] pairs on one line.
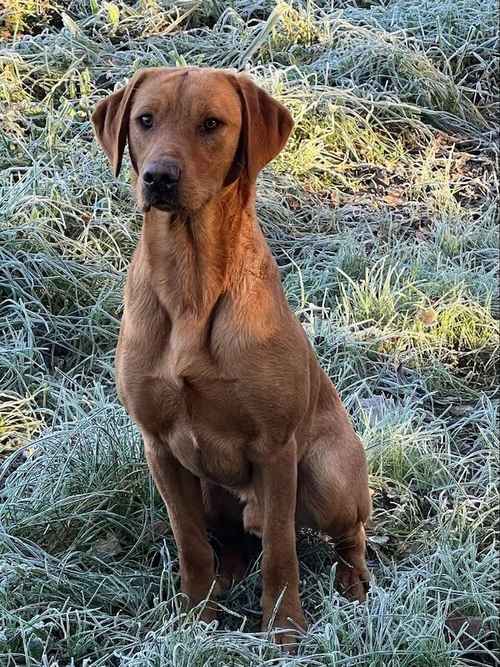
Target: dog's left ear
[[265, 128], [111, 120]]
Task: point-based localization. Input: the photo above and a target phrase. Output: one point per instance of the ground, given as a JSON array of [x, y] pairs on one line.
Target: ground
[[381, 214]]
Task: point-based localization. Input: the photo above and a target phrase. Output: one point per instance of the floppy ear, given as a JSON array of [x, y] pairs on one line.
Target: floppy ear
[[265, 128], [111, 119]]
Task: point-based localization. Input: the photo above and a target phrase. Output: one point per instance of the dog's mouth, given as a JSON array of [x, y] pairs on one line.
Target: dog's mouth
[[162, 202]]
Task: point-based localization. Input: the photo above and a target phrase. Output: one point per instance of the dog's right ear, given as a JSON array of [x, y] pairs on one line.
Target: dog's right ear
[[111, 120]]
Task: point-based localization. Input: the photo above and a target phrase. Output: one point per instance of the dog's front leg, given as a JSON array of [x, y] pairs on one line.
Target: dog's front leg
[[276, 484], [181, 493]]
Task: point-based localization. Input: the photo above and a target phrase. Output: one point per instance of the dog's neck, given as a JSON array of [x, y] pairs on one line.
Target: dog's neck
[[194, 259]]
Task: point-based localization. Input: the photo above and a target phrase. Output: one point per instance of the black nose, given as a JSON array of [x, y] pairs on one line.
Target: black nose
[[160, 175]]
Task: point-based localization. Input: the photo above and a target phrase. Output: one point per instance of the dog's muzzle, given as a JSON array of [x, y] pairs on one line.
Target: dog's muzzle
[[160, 185]]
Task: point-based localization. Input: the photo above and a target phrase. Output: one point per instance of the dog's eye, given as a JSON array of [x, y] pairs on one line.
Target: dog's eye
[[146, 120], [211, 124]]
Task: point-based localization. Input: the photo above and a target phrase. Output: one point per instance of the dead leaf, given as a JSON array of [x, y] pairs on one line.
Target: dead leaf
[[469, 630], [393, 198], [428, 317], [107, 546]]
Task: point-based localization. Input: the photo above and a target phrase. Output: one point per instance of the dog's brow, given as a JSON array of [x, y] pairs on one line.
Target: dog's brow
[[183, 77], [150, 104], [212, 108]]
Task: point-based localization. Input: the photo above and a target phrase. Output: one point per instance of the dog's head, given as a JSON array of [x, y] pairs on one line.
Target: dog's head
[[191, 133]]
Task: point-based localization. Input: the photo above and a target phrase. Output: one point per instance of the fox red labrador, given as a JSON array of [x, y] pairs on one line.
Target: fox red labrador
[[243, 431]]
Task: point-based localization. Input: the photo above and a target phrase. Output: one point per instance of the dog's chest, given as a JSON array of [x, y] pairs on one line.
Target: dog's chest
[[195, 414]]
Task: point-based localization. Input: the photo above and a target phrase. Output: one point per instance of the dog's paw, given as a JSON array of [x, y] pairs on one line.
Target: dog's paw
[[209, 613], [204, 609], [289, 626], [352, 582]]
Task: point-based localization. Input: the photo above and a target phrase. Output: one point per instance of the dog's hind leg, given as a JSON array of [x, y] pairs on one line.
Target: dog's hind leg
[[352, 576], [333, 496]]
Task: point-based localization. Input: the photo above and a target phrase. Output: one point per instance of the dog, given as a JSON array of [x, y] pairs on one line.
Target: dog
[[243, 432]]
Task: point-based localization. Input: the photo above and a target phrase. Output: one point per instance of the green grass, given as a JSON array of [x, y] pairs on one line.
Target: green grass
[[382, 214]]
